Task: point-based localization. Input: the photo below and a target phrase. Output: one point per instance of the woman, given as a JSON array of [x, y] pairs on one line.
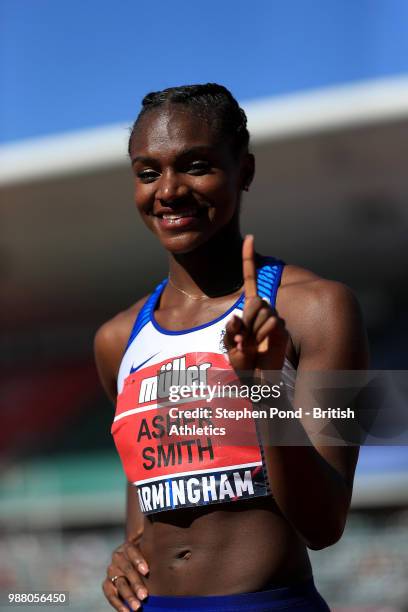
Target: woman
[[193, 540]]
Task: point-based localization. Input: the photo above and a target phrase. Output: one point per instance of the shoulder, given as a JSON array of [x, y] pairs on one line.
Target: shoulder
[[321, 314], [115, 332], [110, 343], [304, 291]]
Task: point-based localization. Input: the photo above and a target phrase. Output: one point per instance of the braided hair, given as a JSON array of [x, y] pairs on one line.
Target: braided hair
[[209, 101]]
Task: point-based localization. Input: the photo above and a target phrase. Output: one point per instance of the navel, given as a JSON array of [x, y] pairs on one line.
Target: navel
[[184, 554]]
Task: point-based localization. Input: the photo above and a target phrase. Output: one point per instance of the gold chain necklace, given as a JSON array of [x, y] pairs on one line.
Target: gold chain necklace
[[197, 297]]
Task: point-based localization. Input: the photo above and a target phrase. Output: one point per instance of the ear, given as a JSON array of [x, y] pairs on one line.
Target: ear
[[247, 171]]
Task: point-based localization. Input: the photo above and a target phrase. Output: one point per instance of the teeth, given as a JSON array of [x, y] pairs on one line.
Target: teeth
[[180, 215]]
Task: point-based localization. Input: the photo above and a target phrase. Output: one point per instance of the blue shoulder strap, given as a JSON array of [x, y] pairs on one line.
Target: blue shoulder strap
[[145, 312], [268, 280]]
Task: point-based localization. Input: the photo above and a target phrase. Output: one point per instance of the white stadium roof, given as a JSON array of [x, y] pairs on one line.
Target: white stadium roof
[[268, 119], [330, 191]]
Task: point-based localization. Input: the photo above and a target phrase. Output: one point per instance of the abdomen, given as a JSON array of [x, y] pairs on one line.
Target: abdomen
[[223, 549]]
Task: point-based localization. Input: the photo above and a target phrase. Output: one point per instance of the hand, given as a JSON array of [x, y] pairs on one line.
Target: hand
[[129, 564], [259, 339]]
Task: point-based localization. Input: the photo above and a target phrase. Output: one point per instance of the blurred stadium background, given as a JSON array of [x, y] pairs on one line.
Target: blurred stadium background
[[325, 85]]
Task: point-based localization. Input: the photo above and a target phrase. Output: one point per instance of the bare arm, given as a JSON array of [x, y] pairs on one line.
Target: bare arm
[[134, 515], [127, 566], [109, 345], [311, 485]]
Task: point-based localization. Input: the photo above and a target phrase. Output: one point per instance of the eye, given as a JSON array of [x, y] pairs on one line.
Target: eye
[[147, 176], [199, 167]]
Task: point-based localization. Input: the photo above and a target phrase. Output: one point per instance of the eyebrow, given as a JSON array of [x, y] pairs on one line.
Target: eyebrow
[[183, 153]]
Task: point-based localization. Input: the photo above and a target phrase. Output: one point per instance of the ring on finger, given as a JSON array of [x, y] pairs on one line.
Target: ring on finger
[[115, 578]]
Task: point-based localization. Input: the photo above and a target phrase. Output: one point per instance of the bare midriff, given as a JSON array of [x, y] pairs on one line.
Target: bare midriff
[[223, 549]]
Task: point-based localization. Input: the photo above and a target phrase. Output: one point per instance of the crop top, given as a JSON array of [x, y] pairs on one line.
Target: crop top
[[176, 458]]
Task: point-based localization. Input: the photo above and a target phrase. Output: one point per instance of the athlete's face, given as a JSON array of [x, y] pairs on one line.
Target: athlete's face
[[187, 182]]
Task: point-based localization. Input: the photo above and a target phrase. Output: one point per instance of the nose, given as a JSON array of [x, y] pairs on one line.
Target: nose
[[170, 186]]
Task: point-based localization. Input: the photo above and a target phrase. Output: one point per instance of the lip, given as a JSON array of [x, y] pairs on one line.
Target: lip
[[176, 219]]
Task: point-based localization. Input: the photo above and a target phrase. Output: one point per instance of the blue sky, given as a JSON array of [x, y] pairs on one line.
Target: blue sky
[[70, 64]]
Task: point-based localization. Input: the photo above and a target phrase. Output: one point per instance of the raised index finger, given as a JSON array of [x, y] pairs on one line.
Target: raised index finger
[[249, 269]]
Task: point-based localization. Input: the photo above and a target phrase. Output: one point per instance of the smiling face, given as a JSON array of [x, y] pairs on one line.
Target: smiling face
[[188, 183]]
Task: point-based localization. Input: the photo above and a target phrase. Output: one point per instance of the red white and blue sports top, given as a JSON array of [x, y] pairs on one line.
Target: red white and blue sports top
[[178, 459]]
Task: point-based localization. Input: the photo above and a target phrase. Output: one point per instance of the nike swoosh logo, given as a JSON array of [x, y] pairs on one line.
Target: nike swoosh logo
[[133, 369]]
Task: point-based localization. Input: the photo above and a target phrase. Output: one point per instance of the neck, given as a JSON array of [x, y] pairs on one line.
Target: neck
[[214, 269]]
